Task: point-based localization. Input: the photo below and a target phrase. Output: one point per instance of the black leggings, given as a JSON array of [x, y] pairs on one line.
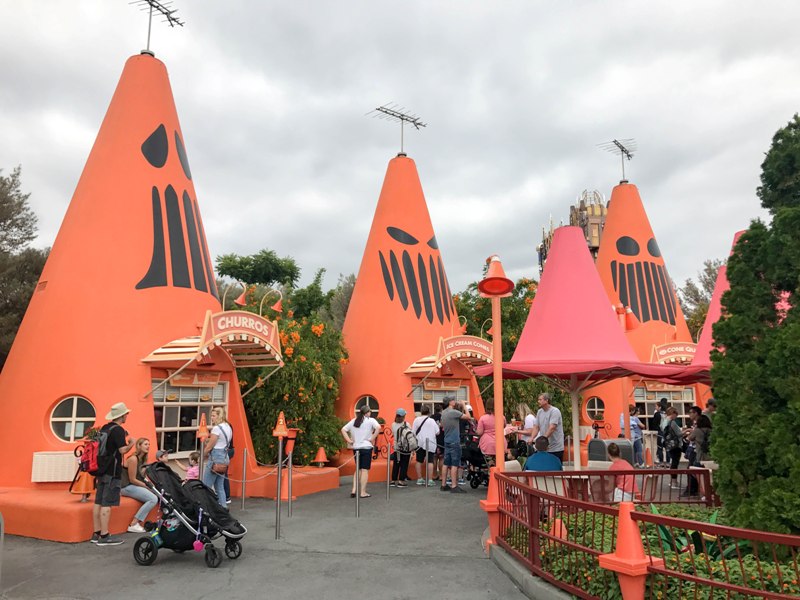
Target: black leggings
[[400, 467], [675, 459]]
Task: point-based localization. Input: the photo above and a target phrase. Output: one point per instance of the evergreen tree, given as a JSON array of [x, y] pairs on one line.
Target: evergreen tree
[[756, 437], [696, 297]]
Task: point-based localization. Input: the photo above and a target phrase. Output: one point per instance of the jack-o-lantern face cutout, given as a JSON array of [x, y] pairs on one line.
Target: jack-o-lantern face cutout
[[414, 274], [183, 223], [642, 282]]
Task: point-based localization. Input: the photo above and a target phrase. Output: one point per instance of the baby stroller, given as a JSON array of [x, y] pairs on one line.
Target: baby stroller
[[477, 463], [190, 519]]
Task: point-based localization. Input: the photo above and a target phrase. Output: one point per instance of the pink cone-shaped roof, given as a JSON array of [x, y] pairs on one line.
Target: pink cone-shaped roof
[[571, 328], [702, 357]]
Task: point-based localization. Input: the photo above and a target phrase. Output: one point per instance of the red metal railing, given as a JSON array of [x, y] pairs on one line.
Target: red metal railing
[[558, 524]]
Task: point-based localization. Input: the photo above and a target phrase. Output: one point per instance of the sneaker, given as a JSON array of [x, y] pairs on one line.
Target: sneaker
[[461, 481], [457, 490], [135, 528], [431, 483], [420, 482], [95, 537], [109, 540], [402, 484], [675, 486], [444, 488], [228, 501], [392, 484]]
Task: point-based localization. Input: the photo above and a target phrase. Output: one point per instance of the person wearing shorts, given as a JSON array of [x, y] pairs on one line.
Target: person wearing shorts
[[451, 420], [109, 483], [360, 434], [426, 430]]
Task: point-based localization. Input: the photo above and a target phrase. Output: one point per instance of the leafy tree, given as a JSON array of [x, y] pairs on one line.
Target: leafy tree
[[514, 312], [264, 267], [20, 266], [756, 436], [336, 311], [306, 388], [695, 297]]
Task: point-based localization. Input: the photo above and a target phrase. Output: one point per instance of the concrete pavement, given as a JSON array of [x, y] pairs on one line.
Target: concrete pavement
[[423, 543]]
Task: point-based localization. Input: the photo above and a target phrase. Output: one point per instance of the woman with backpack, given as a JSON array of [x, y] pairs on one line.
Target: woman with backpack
[[215, 452], [133, 484], [400, 458], [673, 443]]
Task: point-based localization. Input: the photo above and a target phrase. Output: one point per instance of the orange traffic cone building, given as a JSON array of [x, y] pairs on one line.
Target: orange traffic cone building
[[400, 309]]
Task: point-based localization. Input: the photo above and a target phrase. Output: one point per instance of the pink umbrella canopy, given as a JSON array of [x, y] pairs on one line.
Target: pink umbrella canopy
[[572, 338]]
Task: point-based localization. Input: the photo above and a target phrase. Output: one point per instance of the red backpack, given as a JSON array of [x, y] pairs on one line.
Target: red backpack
[[94, 458]]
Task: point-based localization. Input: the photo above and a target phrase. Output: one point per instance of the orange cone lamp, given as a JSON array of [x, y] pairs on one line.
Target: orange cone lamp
[[321, 458], [202, 429]]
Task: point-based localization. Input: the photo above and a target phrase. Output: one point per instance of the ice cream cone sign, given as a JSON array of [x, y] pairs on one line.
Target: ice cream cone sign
[[280, 430], [202, 430]]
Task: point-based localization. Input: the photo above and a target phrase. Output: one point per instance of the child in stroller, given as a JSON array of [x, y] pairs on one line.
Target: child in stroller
[[191, 518]]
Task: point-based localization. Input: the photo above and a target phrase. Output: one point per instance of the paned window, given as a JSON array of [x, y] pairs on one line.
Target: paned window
[[595, 408], [72, 418], [177, 412], [370, 401], [438, 398], [647, 401]]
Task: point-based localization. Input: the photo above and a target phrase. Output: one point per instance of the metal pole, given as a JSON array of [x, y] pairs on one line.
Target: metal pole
[[426, 462], [497, 372], [388, 466], [357, 475], [278, 490], [244, 475], [200, 464], [289, 485], [149, 27]]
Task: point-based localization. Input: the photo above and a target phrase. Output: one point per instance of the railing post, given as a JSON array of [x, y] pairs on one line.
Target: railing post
[[490, 505], [534, 519], [244, 475], [629, 560]]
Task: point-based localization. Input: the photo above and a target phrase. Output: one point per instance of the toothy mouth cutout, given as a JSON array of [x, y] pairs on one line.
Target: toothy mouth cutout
[[420, 281], [185, 224]]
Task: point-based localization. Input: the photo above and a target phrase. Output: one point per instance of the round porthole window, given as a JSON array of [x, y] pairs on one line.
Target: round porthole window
[[595, 408], [72, 418], [367, 401]]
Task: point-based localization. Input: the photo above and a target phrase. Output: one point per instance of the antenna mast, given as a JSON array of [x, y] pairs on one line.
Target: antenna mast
[[393, 112], [625, 148], [163, 7]]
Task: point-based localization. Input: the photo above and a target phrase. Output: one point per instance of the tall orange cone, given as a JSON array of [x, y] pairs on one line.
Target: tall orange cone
[[321, 458], [401, 304], [133, 229], [280, 430], [648, 457], [285, 485], [83, 485]]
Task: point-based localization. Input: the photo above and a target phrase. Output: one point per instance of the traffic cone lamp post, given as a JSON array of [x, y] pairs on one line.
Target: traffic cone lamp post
[[495, 286], [279, 432]]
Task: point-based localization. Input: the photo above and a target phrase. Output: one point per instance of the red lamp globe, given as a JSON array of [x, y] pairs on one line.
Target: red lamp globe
[[495, 283]]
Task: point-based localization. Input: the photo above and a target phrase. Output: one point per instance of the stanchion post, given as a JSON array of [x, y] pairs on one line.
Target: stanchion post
[[278, 490], [357, 475], [244, 475], [389, 466], [426, 462], [289, 484]]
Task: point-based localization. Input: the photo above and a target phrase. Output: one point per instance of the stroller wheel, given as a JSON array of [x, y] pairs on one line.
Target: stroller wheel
[[233, 549], [145, 551], [213, 557], [474, 482]]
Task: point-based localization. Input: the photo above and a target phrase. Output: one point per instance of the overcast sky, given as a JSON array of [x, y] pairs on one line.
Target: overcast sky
[[272, 95]]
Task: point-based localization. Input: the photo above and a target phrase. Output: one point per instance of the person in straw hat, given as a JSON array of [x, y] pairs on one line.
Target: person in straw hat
[[109, 481]]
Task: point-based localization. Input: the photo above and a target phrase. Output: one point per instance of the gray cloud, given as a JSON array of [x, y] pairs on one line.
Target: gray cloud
[[517, 95]]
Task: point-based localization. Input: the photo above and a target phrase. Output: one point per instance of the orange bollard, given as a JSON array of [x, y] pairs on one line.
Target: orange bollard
[[629, 560], [285, 487], [558, 528], [648, 457]]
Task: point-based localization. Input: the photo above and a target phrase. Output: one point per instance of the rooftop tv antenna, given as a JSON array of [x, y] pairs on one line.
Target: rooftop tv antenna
[[393, 112], [625, 148], [170, 15]]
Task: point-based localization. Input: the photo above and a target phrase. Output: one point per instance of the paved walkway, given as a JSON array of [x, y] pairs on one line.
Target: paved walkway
[[422, 544]]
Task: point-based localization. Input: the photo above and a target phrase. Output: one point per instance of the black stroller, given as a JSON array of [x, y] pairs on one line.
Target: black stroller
[[477, 463], [190, 519]]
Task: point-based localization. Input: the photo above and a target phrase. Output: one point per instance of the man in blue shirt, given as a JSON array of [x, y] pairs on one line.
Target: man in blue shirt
[[542, 460]]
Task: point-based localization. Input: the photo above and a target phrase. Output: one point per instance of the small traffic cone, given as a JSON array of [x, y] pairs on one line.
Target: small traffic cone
[[321, 457], [648, 457], [490, 506], [84, 485], [558, 528], [202, 430], [280, 430]]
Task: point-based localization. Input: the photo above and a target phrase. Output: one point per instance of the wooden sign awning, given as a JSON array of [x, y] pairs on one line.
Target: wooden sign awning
[[469, 350], [248, 339]]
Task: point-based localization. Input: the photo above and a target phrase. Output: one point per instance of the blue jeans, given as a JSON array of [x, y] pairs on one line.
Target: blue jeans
[[638, 452], [143, 495], [214, 480]]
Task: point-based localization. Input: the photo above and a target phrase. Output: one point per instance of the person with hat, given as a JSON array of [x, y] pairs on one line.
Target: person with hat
[[109, 481], [360, 434], [400, 459]]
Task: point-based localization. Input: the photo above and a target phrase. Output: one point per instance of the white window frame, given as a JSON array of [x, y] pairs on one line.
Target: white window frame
[[185, 396], [370, 401], [592, 407], [437, 397], [73, 420], [647, 401]]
